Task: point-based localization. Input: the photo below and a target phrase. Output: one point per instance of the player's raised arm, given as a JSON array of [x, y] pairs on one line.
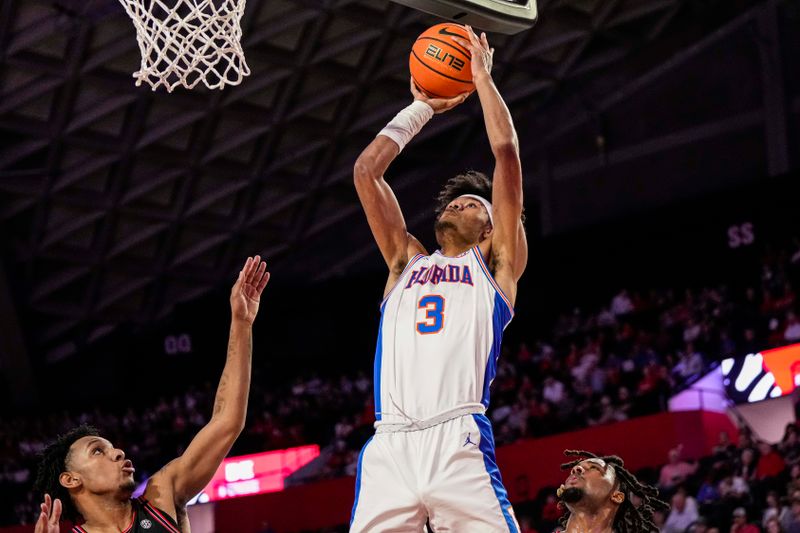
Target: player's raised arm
[[509, 253], [189, 474], [380, 204]]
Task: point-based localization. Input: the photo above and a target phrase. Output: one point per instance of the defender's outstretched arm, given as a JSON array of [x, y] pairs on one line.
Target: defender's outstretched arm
[[190, 473]]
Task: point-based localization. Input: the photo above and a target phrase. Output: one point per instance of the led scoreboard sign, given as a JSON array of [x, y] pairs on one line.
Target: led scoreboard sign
[[759, 376], [255, 474]]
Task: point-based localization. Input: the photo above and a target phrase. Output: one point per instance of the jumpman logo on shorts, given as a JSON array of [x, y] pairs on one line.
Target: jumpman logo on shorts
[[469, 441]]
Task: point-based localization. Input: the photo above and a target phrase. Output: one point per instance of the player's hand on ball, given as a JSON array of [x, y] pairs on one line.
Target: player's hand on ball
[[48, 521], [246, 292], [439, 105], [482, 53]]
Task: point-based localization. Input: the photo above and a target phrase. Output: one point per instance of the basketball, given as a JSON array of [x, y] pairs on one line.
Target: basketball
[[440, 66]]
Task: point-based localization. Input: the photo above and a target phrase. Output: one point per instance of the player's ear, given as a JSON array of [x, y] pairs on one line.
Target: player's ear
[[69, 480], [487, 232], [617, 497]]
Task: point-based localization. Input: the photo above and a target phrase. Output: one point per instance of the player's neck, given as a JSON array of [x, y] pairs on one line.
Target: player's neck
[[107, 513], [590, 521], [451, 244], [455, 251]]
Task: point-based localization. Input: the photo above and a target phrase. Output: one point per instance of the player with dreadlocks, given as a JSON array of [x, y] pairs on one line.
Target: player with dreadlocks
[[597, 497]]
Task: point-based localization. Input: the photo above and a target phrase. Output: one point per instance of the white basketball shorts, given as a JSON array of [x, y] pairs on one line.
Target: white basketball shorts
[[445, 474]]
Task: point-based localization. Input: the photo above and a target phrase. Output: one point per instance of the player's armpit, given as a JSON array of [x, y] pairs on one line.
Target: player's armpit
[[503, 273], [414, 248], [160, 492]]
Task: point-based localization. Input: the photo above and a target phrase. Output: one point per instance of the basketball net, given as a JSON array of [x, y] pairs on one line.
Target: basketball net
[[184, 42]]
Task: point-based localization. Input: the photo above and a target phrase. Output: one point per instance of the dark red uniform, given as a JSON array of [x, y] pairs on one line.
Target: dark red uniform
[[146, 519]]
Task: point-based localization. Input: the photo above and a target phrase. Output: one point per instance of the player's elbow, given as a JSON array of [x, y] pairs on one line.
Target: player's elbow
[[363, 171], [229, 428], [506, 150], [231, 432]]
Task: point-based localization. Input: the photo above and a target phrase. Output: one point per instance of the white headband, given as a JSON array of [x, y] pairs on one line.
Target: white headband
[[486, 203]]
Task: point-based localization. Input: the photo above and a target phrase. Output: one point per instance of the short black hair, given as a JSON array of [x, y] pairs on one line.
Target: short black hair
[[470, 182], [629, 519], [53, 461]]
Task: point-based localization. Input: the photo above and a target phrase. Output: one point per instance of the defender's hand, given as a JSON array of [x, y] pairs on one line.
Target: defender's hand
[[482, 53], [48, 521], [246, 292], [439, 105]]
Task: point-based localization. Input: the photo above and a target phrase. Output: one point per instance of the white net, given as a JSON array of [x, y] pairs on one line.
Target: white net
[[184, 42]]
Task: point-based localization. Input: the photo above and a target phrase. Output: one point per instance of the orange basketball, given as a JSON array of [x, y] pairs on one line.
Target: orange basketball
[[440, 66]]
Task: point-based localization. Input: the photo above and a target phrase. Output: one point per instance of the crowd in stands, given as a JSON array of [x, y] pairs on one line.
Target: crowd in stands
[[598, 366]]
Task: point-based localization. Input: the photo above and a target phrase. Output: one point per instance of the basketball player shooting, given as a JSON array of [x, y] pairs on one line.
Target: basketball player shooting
[[89, 481], [597, 496], [442, 318]]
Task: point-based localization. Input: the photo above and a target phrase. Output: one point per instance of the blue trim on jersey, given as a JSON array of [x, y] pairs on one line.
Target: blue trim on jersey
[[358, 479], [376, 376], [487, 448], [500, 318]]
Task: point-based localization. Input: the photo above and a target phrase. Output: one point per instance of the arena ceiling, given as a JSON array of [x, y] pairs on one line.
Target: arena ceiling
[[116, 203]]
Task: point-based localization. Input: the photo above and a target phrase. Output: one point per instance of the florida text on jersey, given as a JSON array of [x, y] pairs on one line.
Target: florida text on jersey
[[439, 339]]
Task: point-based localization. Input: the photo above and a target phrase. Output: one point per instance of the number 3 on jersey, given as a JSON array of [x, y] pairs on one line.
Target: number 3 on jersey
[[433, 305]]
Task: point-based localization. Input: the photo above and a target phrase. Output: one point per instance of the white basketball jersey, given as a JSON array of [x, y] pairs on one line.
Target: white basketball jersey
[[439, 339]]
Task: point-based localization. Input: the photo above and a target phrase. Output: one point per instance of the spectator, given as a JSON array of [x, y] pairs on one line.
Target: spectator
[[608, 412], [734, 488], [792, 520], [770, 463], [740, 524], [794, 479], [683, 513], [774, 509], [691, 331], [699, 526], [747, 465], [708, 492], [791, 332], [621, 304], [690, 363], [553, 390], [675, 471], [773, 525]]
